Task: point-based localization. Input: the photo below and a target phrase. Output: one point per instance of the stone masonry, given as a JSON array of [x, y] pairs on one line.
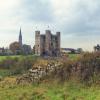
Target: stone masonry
[[47, 44]]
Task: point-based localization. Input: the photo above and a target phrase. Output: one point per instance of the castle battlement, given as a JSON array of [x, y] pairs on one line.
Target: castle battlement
[[47, 44]]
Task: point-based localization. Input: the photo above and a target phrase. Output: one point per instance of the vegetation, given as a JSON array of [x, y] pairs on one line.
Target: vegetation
[[16, 64], [74, 56], [7, 57], [77, 79], [86, 69], [48, 90]]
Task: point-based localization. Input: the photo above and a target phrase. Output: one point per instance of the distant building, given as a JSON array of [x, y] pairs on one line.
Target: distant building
[[18, 48], [27, 49], [71, 50], [68, 50], [1, 51], [33, 50], [97, 48], [47, 44], [7, 52]]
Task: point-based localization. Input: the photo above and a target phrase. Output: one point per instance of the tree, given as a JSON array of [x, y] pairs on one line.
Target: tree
[[15, 48]]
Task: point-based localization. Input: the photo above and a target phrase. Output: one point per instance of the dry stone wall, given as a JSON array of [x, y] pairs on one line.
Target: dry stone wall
[[37, 73]]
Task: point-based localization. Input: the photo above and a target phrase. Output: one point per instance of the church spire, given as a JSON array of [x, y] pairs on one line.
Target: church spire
[[20, 38], [20, 33]]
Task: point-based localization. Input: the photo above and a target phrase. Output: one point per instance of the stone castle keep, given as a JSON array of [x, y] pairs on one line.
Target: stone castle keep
[[47, 44]]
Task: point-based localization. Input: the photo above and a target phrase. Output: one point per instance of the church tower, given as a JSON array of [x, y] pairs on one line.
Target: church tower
[[20, 38]]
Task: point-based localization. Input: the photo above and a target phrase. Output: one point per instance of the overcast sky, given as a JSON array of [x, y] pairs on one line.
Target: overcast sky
[[77, 20]]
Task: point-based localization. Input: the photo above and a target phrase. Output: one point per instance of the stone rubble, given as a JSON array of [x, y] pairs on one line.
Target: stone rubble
[[37, 73]]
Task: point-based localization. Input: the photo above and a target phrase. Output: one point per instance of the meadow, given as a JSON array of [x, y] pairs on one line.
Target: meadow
[[15, 56]]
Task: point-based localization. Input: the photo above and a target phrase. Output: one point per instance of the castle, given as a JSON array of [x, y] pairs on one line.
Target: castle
[[47, 44]]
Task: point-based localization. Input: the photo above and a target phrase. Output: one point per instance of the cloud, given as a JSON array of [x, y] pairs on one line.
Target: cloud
[[38, 11], [80, 17], [78, 20]]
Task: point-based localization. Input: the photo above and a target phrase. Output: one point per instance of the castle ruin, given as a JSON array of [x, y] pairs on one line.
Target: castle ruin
[[47, 44]]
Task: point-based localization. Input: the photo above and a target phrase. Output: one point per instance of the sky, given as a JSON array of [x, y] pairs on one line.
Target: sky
[[77, 20]]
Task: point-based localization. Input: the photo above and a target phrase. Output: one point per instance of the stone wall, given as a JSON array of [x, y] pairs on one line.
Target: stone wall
[[38, 73]]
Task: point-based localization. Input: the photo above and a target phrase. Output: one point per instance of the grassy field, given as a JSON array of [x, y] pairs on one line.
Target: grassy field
[[71, 56], [49, 91], [74, 56], [16, 56], [7, 57]]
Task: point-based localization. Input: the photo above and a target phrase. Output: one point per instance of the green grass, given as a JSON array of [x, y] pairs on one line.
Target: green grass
[[7, 57], [4, 72], [71, 56], [74, 56], [16, 56], [2, 58], [48, 91]]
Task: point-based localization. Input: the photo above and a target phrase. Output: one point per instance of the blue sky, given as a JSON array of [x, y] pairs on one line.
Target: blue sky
[[77, 20]]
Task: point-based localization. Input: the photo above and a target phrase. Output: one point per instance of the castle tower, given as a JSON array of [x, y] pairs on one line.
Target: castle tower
[[20, 38], [48, 42], [58, 42], [37, 42]]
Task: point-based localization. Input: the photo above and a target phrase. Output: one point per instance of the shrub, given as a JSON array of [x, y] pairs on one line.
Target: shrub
[[86, 69], [17, 65]]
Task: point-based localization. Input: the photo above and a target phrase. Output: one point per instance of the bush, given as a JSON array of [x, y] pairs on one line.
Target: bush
[[86, 69], [17, 65]]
